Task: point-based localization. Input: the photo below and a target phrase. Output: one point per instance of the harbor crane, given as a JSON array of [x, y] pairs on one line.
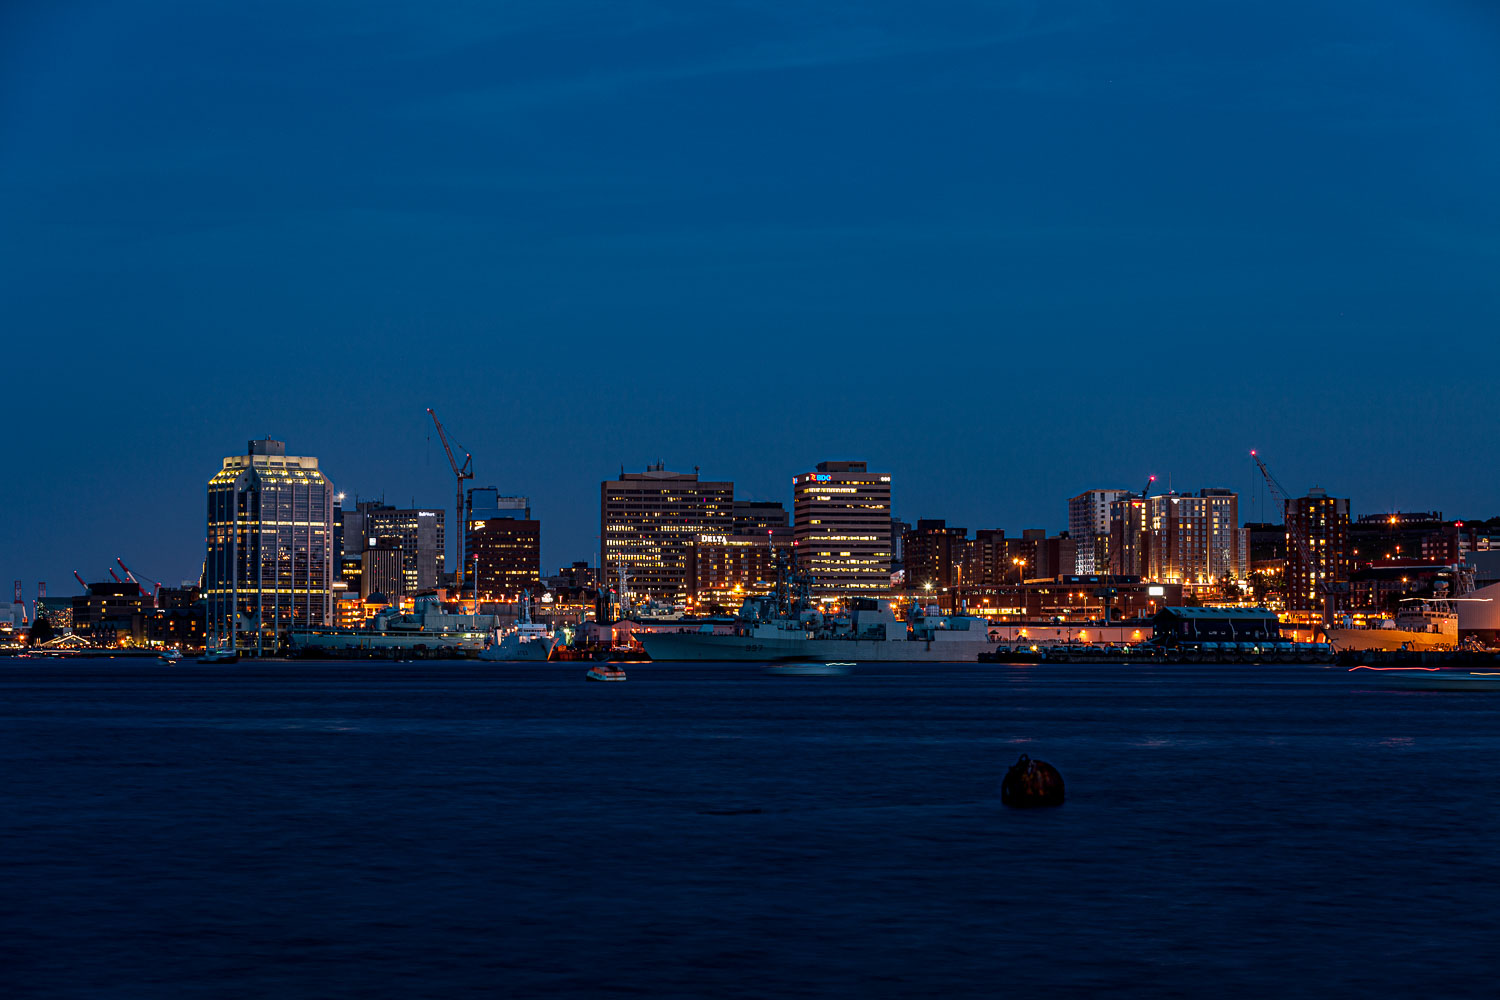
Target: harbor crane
[[460, 473], [136, 579], [79, 577]]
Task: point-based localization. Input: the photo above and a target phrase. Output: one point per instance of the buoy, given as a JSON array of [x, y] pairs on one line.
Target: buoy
[[1031, 783]]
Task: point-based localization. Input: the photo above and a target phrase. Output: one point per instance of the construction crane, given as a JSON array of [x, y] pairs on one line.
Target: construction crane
[[1146, 490], [1297, 532], [460, 473]]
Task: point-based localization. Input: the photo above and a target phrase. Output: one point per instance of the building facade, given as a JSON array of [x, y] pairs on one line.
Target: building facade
[[420, 534], [934, 555], [729, 568], [505, 557], [269, 564], [1089, 518], [382, 568], [1195, 538], [842, 515], [110, 614], [759, 515], [648, 523], [1130, 537], [1317, 553]]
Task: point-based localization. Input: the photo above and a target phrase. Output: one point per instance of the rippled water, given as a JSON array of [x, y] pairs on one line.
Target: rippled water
[[333, 830]]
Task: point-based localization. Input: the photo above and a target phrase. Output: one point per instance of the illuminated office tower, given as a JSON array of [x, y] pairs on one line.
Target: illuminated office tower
[[269, 563], [649, 522], [842, 528]]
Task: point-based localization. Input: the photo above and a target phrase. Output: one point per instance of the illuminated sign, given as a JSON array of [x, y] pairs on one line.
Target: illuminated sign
[[822, 477], [1156, 591], [713, 539]]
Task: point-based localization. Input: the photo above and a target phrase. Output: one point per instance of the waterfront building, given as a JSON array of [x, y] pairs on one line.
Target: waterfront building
[[1196, 538], [1130, 537], [842, 515], [1072, 598], [1088, 521], [269, 563], [506, 550], [1317, 552], [648, 522], [178, 620], [1421, 536], [351, 573], [59, 612], [729, 568], [505, 557], [382, 568], [110, 614], [420, 534], [934, 554]]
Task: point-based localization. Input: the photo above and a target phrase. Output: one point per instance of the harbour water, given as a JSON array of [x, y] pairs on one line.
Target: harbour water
[[343, 830]]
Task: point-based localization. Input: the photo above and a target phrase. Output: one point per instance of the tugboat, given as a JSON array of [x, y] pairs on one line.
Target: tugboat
[[605, 672]]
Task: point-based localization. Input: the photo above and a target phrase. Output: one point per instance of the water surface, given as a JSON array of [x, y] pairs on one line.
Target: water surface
[[325, 829]]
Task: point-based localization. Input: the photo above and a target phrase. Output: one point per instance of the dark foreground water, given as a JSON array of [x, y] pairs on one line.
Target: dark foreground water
[[332, 830]]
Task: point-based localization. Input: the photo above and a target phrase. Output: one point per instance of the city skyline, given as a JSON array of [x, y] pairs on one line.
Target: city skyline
[[747, 240], [1255, 505]]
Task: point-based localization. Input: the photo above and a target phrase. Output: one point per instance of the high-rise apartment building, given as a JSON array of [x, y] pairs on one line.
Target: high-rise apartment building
[[1179, 538], [648, 523], [270, 562], [935, 555], [842, 515], [1088, 519], [1130, 537], [1196, 538], [1317, 552]]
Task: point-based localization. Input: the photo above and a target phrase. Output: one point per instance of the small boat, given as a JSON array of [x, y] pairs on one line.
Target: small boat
[[605, 672], [170, 655], [221, 655], [836, 669]]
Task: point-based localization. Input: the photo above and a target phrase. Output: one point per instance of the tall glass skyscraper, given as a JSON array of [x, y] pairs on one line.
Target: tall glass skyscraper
[[270, 559]]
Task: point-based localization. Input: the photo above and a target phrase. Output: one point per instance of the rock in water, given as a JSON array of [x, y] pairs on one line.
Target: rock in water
[[1031, 783]]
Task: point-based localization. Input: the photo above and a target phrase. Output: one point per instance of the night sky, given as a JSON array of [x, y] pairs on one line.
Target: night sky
[[1005, 252]]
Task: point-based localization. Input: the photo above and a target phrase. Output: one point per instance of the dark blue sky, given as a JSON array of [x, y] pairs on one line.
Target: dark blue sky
[[1005, 251]]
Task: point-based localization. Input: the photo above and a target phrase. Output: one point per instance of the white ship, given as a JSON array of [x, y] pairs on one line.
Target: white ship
[[526, 641], [1420, 624]]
